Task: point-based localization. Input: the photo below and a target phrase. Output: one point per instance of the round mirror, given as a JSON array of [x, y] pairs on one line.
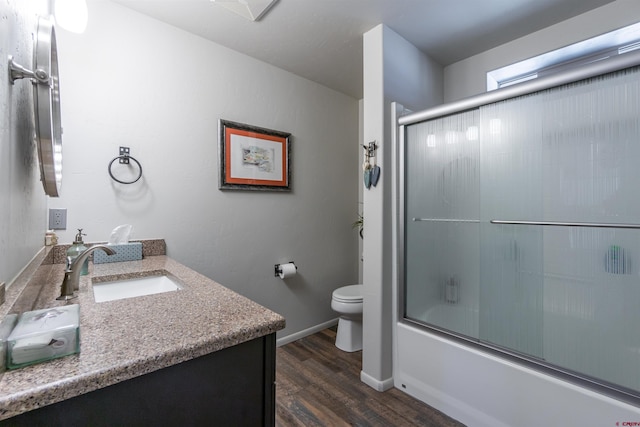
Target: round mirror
[[47, 107]]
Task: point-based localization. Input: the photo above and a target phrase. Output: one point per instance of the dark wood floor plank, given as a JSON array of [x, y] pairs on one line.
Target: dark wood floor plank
[[319, 385]]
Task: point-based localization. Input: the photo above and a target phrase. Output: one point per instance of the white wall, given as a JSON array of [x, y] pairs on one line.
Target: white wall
[[394, 70], [22, 197], [133, 81], [469, 76]]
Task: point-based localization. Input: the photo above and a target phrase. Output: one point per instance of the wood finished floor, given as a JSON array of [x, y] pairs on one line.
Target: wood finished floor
[[319, 385]]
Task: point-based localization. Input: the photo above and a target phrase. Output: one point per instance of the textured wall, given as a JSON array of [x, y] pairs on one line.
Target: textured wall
[[22, 198]]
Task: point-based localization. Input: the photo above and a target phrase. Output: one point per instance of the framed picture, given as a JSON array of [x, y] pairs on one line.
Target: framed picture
[[253, 158]]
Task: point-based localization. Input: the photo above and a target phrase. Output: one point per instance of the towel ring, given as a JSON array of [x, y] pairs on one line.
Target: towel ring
[[124, 159]]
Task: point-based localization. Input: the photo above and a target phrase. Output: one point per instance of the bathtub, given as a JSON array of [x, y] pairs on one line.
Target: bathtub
[[480, 389]]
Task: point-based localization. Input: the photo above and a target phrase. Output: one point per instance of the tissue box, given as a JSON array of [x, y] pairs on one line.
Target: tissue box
[[124, 252], [6, 326], [44, 335]]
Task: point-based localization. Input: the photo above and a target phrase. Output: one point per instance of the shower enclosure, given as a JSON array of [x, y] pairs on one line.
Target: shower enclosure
[[520, 226]]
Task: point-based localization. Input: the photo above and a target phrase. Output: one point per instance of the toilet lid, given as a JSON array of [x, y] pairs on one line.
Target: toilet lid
[[351, 293]]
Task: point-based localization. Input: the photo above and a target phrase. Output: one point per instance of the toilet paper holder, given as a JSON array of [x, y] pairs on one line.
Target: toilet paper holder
[[278, 268]]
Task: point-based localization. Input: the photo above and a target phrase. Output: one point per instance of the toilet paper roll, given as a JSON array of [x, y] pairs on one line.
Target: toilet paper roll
[[287, 270]]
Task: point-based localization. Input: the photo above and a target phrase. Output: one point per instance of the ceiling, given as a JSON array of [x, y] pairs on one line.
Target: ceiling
[[321, 40]]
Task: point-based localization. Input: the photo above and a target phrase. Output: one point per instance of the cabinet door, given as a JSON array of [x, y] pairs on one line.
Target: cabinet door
[[231, 387]]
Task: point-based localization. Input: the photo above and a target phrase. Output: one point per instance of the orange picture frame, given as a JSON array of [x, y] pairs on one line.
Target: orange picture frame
[[253, 158]]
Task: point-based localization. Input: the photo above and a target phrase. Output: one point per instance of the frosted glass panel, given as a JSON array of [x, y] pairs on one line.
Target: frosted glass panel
[[511, 256], [564, 296], [442, 229]]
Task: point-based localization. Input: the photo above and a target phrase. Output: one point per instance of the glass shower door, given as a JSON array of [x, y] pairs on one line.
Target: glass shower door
[[442, 223], [521, 227], [511, 184]]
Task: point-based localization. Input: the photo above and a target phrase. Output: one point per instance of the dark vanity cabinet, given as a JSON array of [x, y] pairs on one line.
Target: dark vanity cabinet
[[231, 387]]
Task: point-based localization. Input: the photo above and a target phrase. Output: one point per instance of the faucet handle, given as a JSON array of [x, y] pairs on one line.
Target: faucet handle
[[69, 262]]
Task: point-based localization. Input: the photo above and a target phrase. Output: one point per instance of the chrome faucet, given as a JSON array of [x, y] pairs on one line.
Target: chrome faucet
[[71, 280]]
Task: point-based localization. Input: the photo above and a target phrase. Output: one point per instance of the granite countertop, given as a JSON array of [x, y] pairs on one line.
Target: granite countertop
[[127, 338]]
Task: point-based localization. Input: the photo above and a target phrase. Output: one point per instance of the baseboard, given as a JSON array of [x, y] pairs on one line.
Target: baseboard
[[376, 384], [306, 332]]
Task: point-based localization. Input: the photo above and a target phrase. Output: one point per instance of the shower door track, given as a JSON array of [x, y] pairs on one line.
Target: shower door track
[[593, 69]]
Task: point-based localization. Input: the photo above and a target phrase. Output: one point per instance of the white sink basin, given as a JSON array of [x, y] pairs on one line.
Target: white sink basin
[[135, 287]]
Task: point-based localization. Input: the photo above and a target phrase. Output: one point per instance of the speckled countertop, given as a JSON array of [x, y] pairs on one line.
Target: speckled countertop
[[130, 337]]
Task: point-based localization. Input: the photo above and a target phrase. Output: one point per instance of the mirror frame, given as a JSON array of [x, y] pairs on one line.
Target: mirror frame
[[47, 108]]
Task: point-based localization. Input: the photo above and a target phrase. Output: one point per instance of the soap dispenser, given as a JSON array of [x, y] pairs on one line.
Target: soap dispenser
[[76, 249]]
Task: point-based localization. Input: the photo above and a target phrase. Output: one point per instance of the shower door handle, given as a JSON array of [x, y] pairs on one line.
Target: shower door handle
[[567, 224]]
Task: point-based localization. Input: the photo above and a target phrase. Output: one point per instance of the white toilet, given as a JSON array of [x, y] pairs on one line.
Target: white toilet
[[347, 301]]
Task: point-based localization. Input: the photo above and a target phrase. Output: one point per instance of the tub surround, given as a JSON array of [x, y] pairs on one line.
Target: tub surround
[[127, 338]]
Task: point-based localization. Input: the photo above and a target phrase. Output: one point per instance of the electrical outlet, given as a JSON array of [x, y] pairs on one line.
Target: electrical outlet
[[57, 219]]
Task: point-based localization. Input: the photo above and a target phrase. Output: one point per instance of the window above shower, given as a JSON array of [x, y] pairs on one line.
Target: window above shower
[[595, 49]]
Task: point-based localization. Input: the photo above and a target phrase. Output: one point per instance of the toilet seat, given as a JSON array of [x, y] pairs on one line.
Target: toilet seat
[[351, 294]]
